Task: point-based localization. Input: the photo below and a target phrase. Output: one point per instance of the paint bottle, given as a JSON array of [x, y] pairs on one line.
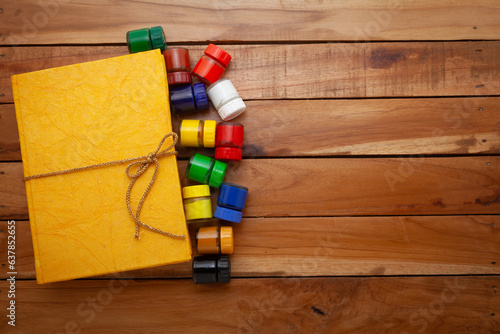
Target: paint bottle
[[215, 240], [197, 202], [188, 98], [178, 66], [197, 133], [211, 269], [211, 65], [231, 202], [206, 170], [226, 99], [146, 39], [229, 141]]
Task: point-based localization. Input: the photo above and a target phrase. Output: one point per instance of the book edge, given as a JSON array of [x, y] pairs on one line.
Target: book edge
[[29, 194]]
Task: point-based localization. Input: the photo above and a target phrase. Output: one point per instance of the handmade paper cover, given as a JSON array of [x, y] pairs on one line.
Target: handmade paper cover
[[92, 113]]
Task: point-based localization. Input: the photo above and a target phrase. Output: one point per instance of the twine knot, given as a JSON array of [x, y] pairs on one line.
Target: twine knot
[[142, 164], [151, 158]]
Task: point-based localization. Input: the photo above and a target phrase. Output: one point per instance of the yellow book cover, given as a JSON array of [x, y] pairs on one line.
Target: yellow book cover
[[87, 114]]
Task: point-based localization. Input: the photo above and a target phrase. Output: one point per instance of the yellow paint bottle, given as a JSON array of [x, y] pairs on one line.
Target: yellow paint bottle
[[196, 133], [197, 202]]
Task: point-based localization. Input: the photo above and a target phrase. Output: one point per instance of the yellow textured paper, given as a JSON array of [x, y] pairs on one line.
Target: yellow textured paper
[[86, 114]]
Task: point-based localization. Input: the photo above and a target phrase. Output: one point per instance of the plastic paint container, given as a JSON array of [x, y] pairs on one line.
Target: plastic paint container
[[196, 133], [226, 99], [211, 65], [215, 240], [197, 202]]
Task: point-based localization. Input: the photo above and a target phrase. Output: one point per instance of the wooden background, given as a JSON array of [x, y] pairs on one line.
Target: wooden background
[[372, 141]]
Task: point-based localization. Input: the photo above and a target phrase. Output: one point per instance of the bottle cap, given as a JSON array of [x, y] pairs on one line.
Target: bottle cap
[[229, 134], [158, 40], [223, 269], [179, 78], [139, 40], [209, 131], [200, 95], [217, 53], [232, 196], [218, 174], [226, 240], [232, 109], [189, 131], [228, 153], [228, 214], [201, 190], [199, 168]]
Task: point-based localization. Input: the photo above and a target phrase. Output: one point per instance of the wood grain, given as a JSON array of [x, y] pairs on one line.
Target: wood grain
[[404, 245], [460, 304], [351, 127], [93, 21], [304, 71], [324, 212], [9, 135], [332, 187]]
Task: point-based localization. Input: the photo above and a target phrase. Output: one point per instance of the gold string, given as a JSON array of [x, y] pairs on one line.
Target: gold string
[[142, 165]]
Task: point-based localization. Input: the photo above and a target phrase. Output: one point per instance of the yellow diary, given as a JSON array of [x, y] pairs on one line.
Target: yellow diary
[[92, 113]]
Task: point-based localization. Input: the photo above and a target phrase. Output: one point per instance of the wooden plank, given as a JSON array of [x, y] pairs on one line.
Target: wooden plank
[[352, 127], [309, 305], [9, 136], [338, 70], [332, 187], [404, 245], [53, 22]]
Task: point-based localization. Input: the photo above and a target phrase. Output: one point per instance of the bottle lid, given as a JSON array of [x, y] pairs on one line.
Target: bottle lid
[[223, 269], [199, 167], [201, 190], [226, 240], [139, 40], [228, 214], [200, 95], [228, 153], [209, 128], [218, 174], [217, 53], [232, 109], [179, 78], [232, 196], [158, 40]]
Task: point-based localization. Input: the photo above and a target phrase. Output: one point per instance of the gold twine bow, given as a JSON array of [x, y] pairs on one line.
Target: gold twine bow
[[143, 164]]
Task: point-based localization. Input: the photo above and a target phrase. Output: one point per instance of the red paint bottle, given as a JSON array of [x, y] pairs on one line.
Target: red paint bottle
[[211, 65], [178, 67], [229, 141]]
